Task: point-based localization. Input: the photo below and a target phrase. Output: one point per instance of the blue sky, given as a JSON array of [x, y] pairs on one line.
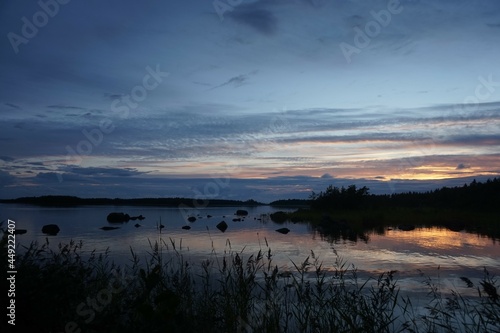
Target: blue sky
[[259, 99]]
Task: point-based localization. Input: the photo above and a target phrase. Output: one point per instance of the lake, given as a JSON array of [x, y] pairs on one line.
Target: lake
[[441, 254]]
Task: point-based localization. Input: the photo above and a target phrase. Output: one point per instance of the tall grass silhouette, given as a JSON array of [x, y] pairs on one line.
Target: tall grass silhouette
[[232, 291]]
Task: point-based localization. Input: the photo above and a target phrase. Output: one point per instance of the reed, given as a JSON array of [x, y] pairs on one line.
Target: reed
[[231, 292]]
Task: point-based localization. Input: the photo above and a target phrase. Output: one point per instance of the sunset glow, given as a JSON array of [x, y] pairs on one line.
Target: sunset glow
[[264, 93]]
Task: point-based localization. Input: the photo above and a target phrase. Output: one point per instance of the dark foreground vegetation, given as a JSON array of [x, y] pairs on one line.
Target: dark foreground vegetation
[[350, 212], [70, 290]]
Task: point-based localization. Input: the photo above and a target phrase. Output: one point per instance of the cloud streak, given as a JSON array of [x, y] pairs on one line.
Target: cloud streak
[[236, 81]]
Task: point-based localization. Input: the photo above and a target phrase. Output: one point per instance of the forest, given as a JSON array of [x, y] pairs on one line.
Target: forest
[[476, 195], [352, 212]]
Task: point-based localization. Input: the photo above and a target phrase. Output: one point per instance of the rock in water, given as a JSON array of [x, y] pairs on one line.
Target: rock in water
[[186, 227], [137, 225], [118, 218], [222, 226], [241, 212], [191, 219], [283, 231], [51, 229]]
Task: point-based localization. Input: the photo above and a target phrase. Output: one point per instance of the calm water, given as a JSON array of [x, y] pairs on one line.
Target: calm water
[[456, 254]]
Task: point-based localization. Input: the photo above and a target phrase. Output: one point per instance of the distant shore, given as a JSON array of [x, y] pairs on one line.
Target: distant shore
[[73, 201]]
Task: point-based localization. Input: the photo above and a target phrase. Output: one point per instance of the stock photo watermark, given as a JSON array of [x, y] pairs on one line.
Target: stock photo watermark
[[120, 107], [371, 30], [11, 271], [223, 6], [30, 27], [483, 92]]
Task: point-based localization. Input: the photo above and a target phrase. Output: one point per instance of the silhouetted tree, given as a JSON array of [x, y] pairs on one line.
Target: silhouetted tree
[[340, 198]]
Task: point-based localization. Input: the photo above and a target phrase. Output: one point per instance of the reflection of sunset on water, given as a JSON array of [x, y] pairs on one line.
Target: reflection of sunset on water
[[435, 239], [406, 251]]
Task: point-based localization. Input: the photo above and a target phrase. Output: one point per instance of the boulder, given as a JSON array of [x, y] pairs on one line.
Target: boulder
[[283, 231], [241, 212], [191, 219], [222, 226], [51, 229], [118, 218]]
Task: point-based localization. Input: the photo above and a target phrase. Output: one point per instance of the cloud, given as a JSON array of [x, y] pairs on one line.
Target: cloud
[[477, 140], [65, 107], [112, 96], [102, 171], [14, 106], [262, 20], [462, 166], [220, 132], [236, 81]]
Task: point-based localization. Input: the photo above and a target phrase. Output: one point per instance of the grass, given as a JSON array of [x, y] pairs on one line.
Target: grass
[[69, 289]]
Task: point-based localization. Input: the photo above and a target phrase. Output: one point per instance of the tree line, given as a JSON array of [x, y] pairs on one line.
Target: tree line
[[476, 195], [70, 201]]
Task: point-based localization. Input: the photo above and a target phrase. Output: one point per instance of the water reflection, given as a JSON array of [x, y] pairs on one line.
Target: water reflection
[[371, 251], [345, 234]]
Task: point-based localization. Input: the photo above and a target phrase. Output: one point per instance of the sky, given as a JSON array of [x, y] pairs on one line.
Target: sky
[[240, 99]]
